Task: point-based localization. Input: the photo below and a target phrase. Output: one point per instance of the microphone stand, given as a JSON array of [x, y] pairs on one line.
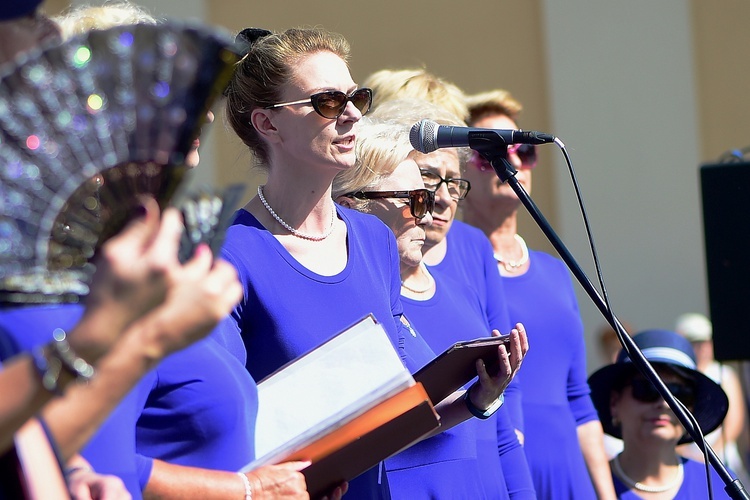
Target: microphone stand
[[489, 146]]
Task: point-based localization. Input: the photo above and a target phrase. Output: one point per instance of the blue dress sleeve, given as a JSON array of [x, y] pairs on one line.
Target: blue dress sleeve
[[579, 398], [513, 459]]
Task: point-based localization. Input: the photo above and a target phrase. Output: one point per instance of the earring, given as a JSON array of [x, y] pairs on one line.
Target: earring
[[615, 421]]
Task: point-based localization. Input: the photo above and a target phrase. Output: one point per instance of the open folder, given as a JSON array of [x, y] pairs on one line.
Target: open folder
[[350, 403], [344, 406]]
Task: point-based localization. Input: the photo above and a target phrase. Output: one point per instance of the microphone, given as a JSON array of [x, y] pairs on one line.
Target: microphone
[[427, 136]]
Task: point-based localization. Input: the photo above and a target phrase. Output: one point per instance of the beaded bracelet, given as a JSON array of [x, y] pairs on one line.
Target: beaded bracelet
[[49, 363], [61, 349], [248, 486]]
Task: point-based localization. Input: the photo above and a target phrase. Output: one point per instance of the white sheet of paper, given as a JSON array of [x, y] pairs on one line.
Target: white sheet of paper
[[325, 388]]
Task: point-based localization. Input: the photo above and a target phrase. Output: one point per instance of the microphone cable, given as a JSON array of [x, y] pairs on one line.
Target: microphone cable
[[625, 340]]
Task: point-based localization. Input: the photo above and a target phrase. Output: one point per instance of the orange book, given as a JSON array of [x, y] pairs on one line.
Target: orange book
[[383, 431], [345, 406]]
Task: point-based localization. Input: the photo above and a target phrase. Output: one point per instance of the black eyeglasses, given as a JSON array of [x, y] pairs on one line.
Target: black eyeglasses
[[526, 153], [457, 188], [645, 392], [421, 201], [331, 104]]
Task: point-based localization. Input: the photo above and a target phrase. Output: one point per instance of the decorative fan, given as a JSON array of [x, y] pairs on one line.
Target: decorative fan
[[207, 215], [86, 128]]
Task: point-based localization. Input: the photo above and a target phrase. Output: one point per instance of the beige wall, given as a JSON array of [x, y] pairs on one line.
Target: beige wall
[[722, 46]]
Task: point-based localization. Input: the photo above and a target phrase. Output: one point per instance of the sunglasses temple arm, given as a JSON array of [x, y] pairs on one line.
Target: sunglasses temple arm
[[507, 173]]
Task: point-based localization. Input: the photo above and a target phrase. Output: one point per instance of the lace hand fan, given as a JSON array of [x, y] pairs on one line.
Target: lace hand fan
[[86, 128]]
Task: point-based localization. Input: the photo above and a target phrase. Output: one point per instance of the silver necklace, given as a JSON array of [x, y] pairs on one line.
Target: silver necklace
[[296, 232], [643, 487], [430, 279], [512, 265]]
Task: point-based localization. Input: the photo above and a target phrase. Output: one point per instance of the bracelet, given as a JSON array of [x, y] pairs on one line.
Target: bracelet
[[248, 486], [50, 360], [483, 414], [60, 349], [48, 369]]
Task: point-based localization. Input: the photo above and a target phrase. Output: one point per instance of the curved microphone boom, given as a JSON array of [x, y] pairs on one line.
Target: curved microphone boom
[[427, 136]]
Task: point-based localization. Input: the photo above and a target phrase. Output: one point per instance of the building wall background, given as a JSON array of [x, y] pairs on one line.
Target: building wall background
[[641, 93]]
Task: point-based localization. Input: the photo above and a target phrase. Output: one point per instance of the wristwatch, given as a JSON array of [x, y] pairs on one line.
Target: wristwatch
[[483, 414]]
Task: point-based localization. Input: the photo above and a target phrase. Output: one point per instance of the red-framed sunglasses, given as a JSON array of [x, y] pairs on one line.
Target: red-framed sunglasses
[[526, 153]]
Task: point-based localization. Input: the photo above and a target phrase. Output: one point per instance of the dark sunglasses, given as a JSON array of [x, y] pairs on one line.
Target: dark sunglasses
[[645, 392], [457, 188], [332, 103], [421, 201], [526, 153]]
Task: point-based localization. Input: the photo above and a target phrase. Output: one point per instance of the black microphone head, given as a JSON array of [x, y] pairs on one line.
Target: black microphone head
[[423, 136]]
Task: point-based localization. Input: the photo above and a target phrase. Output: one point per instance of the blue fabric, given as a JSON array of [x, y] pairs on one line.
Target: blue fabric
[[471, 450], [470, 259], [201, 410], [555, 392], [694, 485], [112, 448], [287, 310]]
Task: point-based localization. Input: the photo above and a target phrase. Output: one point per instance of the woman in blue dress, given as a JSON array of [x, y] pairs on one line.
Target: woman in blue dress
[[441, 310], [556, 404], [311, 268], [631, 409]]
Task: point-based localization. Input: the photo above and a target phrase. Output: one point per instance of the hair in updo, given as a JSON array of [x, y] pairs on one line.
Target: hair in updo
[[267, 66]]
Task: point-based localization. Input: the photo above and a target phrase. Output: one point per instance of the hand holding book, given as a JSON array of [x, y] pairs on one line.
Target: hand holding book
[[491, 385]]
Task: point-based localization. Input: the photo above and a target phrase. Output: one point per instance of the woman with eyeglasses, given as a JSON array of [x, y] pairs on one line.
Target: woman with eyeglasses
[[451, 246], [556, 404], [454, 249], [311, 268], [631, 409], [437, 311]]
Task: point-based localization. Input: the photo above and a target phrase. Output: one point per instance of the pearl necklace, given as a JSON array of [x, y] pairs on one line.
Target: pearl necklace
[[512, 265], [430, 279], [643, 487], [296, 232]]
